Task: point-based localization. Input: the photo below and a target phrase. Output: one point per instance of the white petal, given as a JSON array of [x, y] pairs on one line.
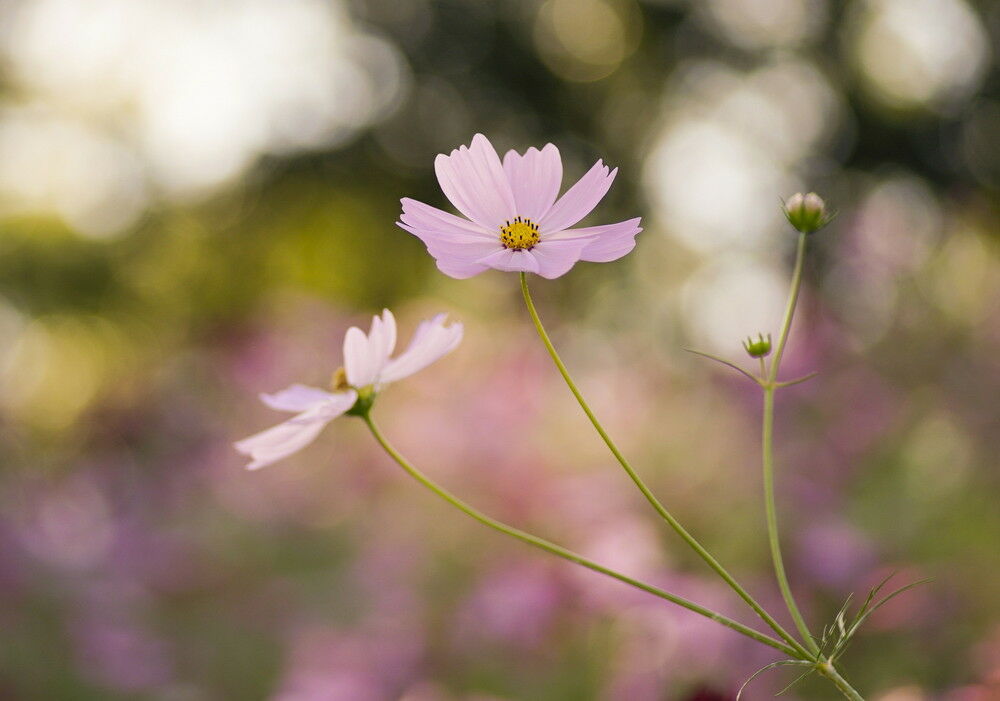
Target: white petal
[[359, 362], [338, 403], [473, 179], [510, 260], [278, 442], [458, 270], [382, 340], [289, 437], [426, 221], [556, 257], [296, 398], [534, 179], [365, 356], [578, 201], [605, 243], [431, 340]]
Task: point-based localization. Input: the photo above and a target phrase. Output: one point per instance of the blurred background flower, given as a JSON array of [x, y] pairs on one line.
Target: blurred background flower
[[196, 200]]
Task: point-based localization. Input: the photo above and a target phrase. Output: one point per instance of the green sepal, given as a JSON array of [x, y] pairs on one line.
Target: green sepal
[[363, 405]]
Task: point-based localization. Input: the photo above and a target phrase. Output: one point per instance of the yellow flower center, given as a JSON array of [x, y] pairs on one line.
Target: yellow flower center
[[519, 235], [338, 383]]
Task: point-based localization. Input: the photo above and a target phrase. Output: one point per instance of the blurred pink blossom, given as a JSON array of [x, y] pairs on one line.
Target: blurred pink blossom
[[120, 656], [514, 603], [834, 554], [360, 665], [66, 523]]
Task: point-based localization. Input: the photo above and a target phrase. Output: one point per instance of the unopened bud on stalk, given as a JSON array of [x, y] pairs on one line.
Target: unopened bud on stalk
[[760, 348], [807, 213]]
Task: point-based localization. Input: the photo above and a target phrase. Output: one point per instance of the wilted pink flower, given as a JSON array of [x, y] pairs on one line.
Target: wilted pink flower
[[514, 220], [367, 369]]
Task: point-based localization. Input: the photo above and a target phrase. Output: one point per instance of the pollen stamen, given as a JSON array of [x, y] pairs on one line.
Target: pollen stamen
[[338, 383], [521, 234]]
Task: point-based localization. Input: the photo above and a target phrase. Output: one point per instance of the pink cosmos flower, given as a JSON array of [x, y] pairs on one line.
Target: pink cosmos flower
[[514, 221], [367, 369]]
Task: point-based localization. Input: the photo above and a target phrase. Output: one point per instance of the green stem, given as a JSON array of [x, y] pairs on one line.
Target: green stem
[[767, 450], [650, 497], [830, 672], [559, 551], [793, 298], [772, 519]]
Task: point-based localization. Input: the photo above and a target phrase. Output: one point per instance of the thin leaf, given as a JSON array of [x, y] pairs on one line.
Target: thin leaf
[[839, 649], [839, 620], [824, 638], [796, 681], [846, 631], [842, 612], [800, 380], [773, 665], [866, 607], [725, 362], [890, 597], [872, 593]]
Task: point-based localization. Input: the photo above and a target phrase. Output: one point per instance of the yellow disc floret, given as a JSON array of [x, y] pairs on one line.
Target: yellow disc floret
[[338, 383], [519, 235]]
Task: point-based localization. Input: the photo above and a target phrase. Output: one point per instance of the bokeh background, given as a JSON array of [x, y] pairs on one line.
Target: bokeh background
[[197, 199]]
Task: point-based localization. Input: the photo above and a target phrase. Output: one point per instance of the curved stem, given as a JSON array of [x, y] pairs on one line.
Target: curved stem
[[767, 450], [650, 497], [767, 440], [559, 551]]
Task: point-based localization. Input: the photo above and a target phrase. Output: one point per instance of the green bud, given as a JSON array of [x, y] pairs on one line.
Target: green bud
[[807, 213], [759, 348]]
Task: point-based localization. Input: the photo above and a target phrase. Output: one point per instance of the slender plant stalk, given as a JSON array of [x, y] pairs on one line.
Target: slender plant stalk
[[650, 497], [767, 449], [559, 551], [793, 299], [830, 672]]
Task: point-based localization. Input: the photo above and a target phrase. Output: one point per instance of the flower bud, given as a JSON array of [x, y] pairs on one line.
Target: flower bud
[[807, 213], [759, 348]]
